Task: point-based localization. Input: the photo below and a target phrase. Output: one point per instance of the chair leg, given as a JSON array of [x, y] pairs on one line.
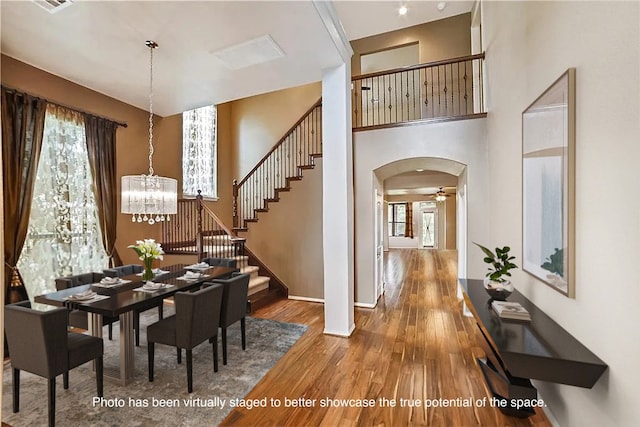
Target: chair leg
[[65, 380], [160, 311], [179, 355], [243, 328], [150, 355], [136, 326], [224, 345], [99, 376], [110, 331], [189, 371], [16, 390], [214, 342], [52, 402]]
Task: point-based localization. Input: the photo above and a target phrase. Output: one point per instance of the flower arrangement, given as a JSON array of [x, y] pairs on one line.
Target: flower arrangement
[[148, 251]]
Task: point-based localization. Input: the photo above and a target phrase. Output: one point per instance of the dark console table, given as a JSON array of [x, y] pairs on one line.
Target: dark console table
[[518, 351]]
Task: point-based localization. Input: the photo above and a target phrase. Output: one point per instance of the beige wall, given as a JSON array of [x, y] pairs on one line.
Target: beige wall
[[257, 123], [288, 239], [528, 45], [450, 222], [132, 142], [443, 39], [429, 146]]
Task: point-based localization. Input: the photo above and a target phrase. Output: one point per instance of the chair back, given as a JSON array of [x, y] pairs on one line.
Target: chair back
[[123, 270], [221, 262], [197, 315], [78, 280], [234, 299], [37, 339]]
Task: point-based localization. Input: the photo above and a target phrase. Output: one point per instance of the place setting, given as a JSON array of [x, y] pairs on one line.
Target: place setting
[[110, 282], [156, 272], [192, 275], [152, 287], [198, 267], [86, 297]]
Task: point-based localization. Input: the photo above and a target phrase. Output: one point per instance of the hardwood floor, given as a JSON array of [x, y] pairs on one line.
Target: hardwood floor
[[415, 345]]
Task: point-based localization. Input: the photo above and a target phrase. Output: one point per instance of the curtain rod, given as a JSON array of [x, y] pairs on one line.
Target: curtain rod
[[57, 104]]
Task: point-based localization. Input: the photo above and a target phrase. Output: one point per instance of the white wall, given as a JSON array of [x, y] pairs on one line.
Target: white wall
[[460, 141], [528, 45]]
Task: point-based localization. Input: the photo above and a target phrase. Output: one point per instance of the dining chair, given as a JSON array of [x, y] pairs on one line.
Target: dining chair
[[128, 270], [78, 318], [222, 262], [196, 321], [40, 344], [234, 307]]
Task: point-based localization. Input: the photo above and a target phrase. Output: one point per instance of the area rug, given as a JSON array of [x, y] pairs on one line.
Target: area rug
[[208, 405]]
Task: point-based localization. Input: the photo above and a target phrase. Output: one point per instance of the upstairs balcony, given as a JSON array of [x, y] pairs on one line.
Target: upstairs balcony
[[451, 89]]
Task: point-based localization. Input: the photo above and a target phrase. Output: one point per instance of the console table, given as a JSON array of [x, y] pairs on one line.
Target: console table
[[518, 351]]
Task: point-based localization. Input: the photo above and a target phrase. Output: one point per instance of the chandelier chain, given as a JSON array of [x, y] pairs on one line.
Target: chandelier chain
[[151, 47]]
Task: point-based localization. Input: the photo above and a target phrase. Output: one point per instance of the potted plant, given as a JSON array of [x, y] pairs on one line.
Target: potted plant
[[496, 281]]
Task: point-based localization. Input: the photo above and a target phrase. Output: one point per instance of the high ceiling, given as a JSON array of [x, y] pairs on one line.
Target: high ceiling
[[101, 44]]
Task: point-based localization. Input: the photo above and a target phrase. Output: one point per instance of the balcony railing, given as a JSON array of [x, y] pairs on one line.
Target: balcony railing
[[437, 90]]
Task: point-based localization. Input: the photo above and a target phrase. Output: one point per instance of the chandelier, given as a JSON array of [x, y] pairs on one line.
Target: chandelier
[[149, 198]]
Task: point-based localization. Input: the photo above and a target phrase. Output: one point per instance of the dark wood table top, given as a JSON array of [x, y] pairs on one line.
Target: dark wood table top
[[124, 298], [539, 348]]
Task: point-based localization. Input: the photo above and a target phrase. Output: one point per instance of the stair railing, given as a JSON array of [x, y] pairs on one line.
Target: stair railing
[[284, 163], [196, 229]]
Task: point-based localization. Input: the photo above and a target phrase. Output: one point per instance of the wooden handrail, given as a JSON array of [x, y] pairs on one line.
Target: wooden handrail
[[420, 66], [291, 129], [209, 212]]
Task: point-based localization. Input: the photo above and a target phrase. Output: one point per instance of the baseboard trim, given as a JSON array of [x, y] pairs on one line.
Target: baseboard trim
[[307, 299], [364, 305], [340, 334]]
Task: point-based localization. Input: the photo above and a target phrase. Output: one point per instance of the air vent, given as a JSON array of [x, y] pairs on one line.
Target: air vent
[[53, 6], [251, 52]]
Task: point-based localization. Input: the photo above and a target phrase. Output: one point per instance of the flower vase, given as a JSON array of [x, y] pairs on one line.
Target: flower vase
[[147, 274]]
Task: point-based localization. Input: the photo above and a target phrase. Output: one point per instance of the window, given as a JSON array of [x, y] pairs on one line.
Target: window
[[199, 147], [397, 219], [64, 236]]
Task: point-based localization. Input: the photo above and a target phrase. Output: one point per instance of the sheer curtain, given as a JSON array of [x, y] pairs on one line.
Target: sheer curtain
[[64, 235]]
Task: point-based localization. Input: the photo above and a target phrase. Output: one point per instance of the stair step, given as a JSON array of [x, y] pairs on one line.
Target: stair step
[[280, 189], [250, 269], [306, 167], [240, 229], [257, 284]]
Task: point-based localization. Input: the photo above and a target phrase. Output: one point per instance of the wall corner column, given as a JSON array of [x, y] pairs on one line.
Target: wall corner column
[[337, 201]]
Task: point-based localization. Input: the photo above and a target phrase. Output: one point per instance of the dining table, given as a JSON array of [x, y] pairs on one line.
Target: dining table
[[122, 297]]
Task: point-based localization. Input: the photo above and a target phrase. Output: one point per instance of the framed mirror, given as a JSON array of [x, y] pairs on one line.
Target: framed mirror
[[548, 171]]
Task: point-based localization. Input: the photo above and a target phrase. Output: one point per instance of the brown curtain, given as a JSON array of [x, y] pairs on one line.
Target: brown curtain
[[22, 131], [101, 146], [408, 231]]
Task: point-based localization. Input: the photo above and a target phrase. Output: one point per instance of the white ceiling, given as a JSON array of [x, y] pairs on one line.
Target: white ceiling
[[421, 183], [100, 44]]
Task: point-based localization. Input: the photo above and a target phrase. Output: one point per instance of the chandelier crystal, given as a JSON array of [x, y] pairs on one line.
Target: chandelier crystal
[[149, 198]]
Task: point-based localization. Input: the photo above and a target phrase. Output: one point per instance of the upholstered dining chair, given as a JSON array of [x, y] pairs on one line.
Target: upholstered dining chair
[[127, 270], [234, 307], [196, 321], [78, 318], [222, 262], [39, 343]]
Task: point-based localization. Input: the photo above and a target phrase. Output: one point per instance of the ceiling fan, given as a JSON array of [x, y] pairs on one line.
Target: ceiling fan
[[440, 196]]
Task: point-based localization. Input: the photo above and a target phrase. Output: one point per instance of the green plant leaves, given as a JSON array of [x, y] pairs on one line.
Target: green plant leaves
[[500, 261]]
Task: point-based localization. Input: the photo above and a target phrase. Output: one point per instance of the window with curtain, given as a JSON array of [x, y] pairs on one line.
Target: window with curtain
[[199, 149], [64, 235], [397, 218]]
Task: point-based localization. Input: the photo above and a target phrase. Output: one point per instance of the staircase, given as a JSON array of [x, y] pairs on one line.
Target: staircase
[[196, 232], [284, 163]]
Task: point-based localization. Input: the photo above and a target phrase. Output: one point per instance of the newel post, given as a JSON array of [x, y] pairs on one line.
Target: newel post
[[235, 203], [199, 199]]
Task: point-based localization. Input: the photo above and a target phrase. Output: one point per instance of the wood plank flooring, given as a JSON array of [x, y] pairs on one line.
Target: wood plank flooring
[[415, 345]]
